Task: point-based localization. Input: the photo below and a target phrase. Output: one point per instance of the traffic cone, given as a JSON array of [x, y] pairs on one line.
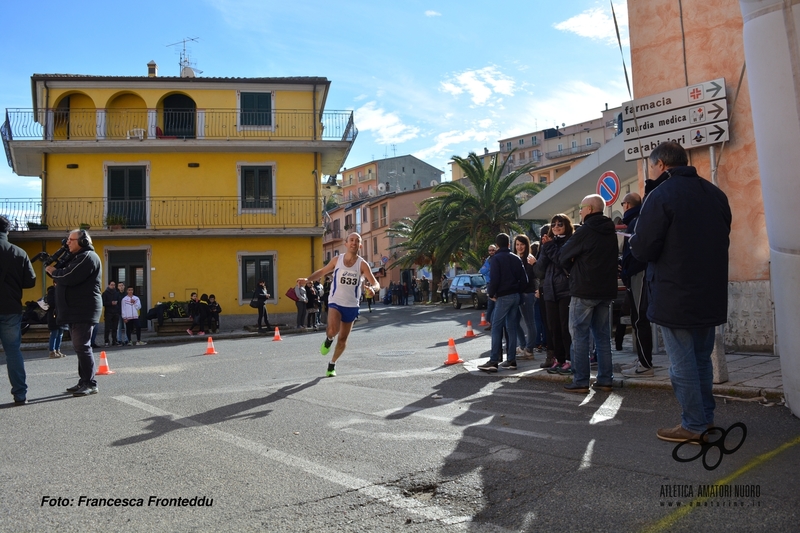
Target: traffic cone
[[103, 370], [452, 354], [277, 336], [470, 333], [483, 321], [210, 350]]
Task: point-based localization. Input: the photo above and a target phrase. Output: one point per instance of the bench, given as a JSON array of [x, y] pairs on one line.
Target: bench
[[172, 326], [39, 333]]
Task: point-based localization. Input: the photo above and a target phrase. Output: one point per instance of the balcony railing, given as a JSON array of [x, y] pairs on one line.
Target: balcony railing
[[555, 154], [146, 124], [161, 213]]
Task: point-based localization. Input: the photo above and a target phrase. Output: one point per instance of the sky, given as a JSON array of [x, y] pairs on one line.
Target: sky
[[430, 78]]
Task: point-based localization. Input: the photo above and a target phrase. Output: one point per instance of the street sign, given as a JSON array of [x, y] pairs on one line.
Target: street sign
[[384, 259], [691, 116], [688, 138], [608, 187]]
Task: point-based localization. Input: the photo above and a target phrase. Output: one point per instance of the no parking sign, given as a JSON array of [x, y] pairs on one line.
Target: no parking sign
[[608, 187]]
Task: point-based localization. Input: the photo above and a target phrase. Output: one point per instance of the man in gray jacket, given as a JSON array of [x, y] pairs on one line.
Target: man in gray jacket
[[16, 273]]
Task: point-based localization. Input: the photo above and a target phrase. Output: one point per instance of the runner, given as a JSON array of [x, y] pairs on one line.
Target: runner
[[345, 296]]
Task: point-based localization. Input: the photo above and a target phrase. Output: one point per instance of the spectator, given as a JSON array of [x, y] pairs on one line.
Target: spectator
[[16, 273], [445, 288], [262, 296], [214, 310], [591, 256], [192, 308], [312, 306], [110, 312], [301, 303], [486, 271], [683, 232], [56, 331], [200, 316], [131, 307], [539, 310], [526, 344], [122, 335], [555, 288], [368, 296], [79, 303]]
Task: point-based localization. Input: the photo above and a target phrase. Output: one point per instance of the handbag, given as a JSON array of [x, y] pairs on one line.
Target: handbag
[[291, 294], [254, 303]]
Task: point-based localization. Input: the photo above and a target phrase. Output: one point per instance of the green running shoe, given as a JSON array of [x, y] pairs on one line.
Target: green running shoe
[[326, 346], [330, 373]]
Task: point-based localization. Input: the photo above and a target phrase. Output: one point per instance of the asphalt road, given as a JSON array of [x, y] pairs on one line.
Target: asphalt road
[[396, 442]]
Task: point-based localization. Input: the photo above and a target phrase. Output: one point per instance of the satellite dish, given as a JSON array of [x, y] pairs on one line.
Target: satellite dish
[[434, 183], [381, 187], [187, 72], [371, 192]]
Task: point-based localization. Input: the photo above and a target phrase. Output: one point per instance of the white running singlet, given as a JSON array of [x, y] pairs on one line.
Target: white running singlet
[[346, 284]]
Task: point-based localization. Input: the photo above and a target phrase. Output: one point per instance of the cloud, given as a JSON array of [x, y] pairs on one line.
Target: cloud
[[481, 85], [445, 140], [387, 127], [597, 24], [431, 13]]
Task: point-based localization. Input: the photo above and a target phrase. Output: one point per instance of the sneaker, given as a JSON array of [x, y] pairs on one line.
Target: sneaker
[[105, 344], [117, 343], [509, 365], [326, 346], [678, 434], [17, 402], [201, 332], [60, 354], [638, 371], [331, 372], [554, 368], [548, 363], [85, 391], [526, 354], [581, 389], [74, 388], [140, 343], [603, 388], [539, 348], [54, 355], [189, 331], [565, 369], [625, 366], [489, 366], [520, 351]]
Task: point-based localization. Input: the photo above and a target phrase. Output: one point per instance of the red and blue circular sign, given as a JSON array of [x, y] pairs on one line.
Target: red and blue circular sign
[[608, 187]]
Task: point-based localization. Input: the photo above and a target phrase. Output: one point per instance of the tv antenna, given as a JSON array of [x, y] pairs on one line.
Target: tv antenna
[[187, 70]]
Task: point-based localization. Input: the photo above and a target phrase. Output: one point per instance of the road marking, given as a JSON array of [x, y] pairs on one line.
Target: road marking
[[382, 494], [608, 410], [586, 462], [667, 523]]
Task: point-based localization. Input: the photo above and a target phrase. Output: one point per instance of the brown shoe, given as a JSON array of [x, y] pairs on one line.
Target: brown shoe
[[551, 358], [54, 355], [678, 434]]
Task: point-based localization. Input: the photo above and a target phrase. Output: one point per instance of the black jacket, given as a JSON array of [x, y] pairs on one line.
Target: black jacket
[[630, 265], [591, 255], [110, 295], [683, 233], [78, 296], [19, 275], [555, 280], [507, 275], [50, 298]]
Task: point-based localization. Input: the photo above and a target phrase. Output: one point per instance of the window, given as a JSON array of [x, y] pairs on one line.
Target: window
[[374, 246], [508, 145], [522, 142], [574, 144], [384, 214], [127, 204], [254, 268], [542, 179], [413, 170], [588, 141], [374, 218], [534, 140], [255, 109], [256, 187], [560, 147]]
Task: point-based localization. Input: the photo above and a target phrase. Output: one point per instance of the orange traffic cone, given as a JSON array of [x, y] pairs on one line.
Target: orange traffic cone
[[103, 370], [452, 354], [210, 350], [470, 333], [483, 321], [277, 336]]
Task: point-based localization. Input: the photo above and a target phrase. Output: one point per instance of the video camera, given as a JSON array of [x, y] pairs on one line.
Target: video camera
[[60, 258]]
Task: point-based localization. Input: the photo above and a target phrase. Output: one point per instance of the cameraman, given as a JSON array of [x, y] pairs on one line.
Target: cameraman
[[78, 303], [16, 273]]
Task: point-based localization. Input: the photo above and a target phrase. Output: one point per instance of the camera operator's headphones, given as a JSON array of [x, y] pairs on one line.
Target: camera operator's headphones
[[83, 238]]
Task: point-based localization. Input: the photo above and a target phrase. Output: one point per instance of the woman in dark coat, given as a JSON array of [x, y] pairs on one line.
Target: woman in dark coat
[[56, 333], [556, 292], [262, 296]]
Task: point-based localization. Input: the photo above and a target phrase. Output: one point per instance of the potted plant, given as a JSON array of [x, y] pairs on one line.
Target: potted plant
[[35, 226], [84, 226], [115, 221]]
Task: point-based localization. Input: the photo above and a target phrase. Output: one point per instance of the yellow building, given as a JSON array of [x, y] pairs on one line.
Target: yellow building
[[186, 184]]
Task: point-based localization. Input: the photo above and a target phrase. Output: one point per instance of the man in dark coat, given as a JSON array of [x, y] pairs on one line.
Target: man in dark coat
[[683, 233], [110, 312], [632, 274], [591, 255], [16, 273], [79, 303]]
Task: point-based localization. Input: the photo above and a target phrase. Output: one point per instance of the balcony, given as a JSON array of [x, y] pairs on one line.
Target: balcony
[[28, 133], [580, 149], [218, 215]]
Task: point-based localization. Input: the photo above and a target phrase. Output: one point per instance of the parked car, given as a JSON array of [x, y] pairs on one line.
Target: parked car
[[469, 289]]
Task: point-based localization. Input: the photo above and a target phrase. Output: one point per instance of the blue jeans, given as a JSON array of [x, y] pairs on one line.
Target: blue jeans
[[490, 304], [526, 302], [11, 338], [81, 335], [587, 316], [122, 335], [541, 336], [505, 314], [692, 374], [55, 339]]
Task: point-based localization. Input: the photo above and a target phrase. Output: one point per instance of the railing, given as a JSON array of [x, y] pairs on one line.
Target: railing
[[147, 124], [160, 213], [555, 154]]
